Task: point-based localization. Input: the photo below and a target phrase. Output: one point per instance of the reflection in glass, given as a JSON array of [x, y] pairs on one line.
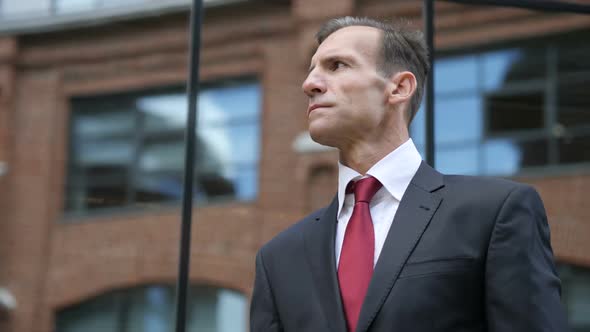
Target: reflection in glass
[[516, 66], [512, 155], [461, 160], [128, 149], [574, 149], [99, 158], [496, 65], [69, 6], [573, 102], [573, 56], [515, 112], [98, 315], [508, 155], [576, 296], [418, 127], [452, 115], [16, 8], [502, 156], [151, 309], [119, 3], [503, 111], [448, 70], [243, 103]]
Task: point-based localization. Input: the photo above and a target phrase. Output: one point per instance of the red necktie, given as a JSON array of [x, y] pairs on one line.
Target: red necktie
[[358, 249]]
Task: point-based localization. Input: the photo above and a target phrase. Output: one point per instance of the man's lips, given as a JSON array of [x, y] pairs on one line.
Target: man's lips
[[315, 106]]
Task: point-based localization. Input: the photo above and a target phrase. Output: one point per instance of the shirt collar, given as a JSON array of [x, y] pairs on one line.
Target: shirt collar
[[394, 171]]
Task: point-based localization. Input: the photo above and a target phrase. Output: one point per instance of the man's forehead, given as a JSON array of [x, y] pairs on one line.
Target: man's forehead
[[349, 39]]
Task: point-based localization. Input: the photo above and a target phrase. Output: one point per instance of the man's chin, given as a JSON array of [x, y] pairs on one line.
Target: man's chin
[[321, 137]]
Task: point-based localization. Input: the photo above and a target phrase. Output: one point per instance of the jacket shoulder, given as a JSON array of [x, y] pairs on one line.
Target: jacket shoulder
[[483, 183], [482, 191]]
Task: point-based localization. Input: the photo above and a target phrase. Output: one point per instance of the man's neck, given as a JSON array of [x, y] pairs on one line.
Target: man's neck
[[361, 157]]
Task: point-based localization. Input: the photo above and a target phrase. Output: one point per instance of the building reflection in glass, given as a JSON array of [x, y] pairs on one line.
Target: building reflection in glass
[[128, 149]]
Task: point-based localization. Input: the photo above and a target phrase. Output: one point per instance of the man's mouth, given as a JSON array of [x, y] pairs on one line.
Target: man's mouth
[[315, 106]]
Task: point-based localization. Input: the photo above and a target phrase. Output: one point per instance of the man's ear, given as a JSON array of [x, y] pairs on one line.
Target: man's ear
[[402, 87]]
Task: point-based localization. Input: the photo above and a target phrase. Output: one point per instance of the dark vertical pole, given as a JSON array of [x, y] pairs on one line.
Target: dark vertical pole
[[428, 17], [187, 197]]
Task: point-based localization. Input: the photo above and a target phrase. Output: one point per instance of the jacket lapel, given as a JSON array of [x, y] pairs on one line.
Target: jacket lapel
[[415, 211], [320, 252]]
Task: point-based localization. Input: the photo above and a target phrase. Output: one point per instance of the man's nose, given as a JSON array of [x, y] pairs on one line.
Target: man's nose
[[313, 85]]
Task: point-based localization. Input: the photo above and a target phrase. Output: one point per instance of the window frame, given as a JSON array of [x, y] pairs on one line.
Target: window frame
[[138, 139], [549, 86]]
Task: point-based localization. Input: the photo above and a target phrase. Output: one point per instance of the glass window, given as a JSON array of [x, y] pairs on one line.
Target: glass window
[[119, 3], [514, 66], [575, 294], [502, 156], [573, 102], [452, 113], [98, 315], [459, 160], [496, 65], [151, 309], [68, 6], [16, 8], [447, 71], [503, 111], [516, 111], [128, 149], [574, 149]]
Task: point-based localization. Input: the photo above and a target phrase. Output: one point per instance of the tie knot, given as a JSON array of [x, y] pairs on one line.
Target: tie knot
[[364, 189]]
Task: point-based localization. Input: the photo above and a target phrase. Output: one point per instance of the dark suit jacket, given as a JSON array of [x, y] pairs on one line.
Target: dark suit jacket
[[463, 254]]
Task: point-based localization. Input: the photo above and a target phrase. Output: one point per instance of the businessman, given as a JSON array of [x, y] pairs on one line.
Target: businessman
[[401, 247]]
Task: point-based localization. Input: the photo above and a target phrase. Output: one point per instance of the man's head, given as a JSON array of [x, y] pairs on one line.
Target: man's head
[[401, 48], [362, 72]]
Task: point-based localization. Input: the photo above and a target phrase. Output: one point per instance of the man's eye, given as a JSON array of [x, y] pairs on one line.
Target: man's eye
[[338, 65]]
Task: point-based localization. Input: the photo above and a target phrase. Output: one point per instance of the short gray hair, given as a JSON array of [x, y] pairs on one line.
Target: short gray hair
[[403, 48]]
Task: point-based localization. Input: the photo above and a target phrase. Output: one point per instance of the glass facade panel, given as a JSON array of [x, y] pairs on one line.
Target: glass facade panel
[[445, 76], [515, 112], [151, 309], [231, 311], [573, 59], [19, 8], [158, 187], [99, 315], [71, 6], [451, 116], [502, 156], [162, 113], [525, 64], [460, 160], [496, 65], [418, 128], [220, 109], [128, 149], [504, 111], [119, 3], [573, 102], [575, 295], [574, 149]]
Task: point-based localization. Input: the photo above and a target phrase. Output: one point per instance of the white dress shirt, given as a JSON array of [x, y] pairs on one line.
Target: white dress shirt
[[394, 171]]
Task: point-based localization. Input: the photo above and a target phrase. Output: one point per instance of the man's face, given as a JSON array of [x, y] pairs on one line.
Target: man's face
[[347, 95]]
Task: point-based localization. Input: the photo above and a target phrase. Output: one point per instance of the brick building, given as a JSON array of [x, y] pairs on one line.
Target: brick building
[[91, 123]]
